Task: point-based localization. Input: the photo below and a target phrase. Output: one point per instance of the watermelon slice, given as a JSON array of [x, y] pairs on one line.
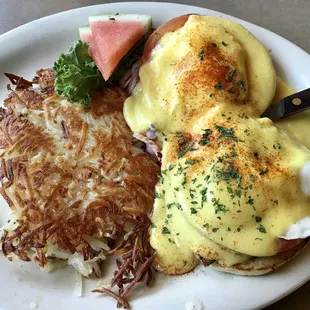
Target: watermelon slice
[[86, 36], [111, 36]]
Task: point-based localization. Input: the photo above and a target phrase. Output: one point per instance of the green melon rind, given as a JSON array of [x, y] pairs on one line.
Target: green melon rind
[[84, 30], [146, 20]]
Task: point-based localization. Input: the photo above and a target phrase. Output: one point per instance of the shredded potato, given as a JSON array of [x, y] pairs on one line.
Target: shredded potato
[[72, 178]]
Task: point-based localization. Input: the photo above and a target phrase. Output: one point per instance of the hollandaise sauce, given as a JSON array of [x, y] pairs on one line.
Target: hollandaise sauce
[[227, 191], [210, 61], [229, 184]]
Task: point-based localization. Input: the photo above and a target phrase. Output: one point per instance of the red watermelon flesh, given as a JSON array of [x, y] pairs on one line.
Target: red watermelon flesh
[[86, 36], [112, 37]]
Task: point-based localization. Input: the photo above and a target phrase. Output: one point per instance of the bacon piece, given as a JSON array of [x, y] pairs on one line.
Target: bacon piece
[[136, 263], [19, 81], [121, 300], [140, 272]]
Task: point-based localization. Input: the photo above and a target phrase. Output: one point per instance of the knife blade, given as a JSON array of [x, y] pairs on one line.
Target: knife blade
[[290, 105]]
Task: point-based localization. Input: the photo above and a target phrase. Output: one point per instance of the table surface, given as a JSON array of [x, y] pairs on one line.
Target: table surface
[[288, 18]]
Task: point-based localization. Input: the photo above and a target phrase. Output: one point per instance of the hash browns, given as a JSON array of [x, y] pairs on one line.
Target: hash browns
[[69, 172]]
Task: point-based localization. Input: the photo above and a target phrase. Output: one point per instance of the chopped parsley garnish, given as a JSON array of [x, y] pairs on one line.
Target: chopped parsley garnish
[[185, 145], [190, 161], [276, 201], [171, 167], [176, 189], [241, 84], [224, 43], [218, 207], [157, 195], [169, 205], [247, 132], [252, 177], [231, 75], [161, 179], [264, 171], [226, 132], [201, 54], [250, 201], [169, 216], [228, 229], [111, 18], [229, 190], [258, 219], [220, 159], [194, 203], [207, 178], [232, 154], [261, 229], [205, 137], [181, 153], [255, 155], [277, 146], [204, 197], [180, 170], [219, 85], [215, 229], [228, 172], [193, 211], [165, 231], [213, 44], [171, 241], [238, 193], [238, 229], [153, 225]]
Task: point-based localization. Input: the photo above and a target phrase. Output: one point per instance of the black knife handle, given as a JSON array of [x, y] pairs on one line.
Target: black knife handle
[[295, 103]]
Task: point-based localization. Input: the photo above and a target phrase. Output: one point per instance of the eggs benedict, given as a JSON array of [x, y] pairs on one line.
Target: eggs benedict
[[226, 192], [229, 184], [208, 62]]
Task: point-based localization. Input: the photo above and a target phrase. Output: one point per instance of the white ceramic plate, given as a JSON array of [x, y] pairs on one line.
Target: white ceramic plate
[[23, 286]]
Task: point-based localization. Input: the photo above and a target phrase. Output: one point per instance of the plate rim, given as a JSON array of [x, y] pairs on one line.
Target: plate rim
[[16, 31], [51, 16]]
